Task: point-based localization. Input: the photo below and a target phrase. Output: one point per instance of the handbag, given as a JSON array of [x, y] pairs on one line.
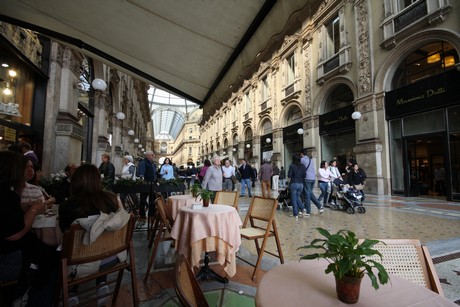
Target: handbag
[[233, 179]]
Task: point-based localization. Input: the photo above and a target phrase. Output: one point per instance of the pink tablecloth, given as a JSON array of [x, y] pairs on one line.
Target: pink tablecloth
[[215, 228], [176, 202], [304, 283]]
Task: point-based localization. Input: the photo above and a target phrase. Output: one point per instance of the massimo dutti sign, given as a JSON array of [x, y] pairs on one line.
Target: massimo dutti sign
[[438, 91], [336, 121]]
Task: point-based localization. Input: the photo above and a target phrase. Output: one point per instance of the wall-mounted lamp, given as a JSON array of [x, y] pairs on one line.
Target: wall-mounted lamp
[[142, 149], [300, 131], [248, 146], [356, 115], [140, 145], [233, 149], [268, 140], [224, 153], [120, 115], [99, 84], [136, 140], [131, 132]]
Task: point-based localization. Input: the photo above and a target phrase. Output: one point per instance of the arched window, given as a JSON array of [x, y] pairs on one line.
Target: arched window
[[341, 97], [294, 116], [429, 60]]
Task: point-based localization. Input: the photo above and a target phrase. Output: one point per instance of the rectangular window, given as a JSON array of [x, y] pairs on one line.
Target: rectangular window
[[248, 102], [405, 3], [333, 37], [264, 89], [290, 74], [190, 151]]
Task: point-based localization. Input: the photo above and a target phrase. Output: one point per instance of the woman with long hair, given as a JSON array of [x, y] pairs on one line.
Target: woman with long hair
[[297, 173], [85, 205], [167, 170], [19, 247]]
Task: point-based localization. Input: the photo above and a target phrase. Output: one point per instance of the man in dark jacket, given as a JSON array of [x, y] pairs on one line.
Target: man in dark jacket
[[147, 172], [246, 174], [107, 170]]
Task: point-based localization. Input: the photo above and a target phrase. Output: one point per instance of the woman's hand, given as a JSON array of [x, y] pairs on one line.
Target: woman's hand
[[38, 207]]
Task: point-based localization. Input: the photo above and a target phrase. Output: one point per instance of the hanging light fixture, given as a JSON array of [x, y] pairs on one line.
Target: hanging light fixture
[[120, 116], [136, 140], [449, 61], [99, 84], [356, 115], [140, 145], [248, 146], [234, 149], [131, 132], [268, 140], [300, 131]]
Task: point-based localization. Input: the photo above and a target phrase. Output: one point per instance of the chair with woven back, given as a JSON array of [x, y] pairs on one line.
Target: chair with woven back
[[260, 224], [108, 244], [162, 225], [409, 259], [227, 198], [187, 288]]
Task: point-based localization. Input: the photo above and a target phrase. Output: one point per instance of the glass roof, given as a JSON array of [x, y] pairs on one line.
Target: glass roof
[[169, 113]]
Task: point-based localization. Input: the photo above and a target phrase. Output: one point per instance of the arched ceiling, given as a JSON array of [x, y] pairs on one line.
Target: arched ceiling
[[169, 113]]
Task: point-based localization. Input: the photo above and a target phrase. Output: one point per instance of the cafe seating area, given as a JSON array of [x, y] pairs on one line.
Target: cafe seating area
[[386, 218]]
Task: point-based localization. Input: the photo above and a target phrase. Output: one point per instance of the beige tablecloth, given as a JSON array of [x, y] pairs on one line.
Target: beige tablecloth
[[215, 228], [176, 202], [304, 283]]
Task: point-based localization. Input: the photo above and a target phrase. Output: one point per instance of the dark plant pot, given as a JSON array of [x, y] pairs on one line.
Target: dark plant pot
[[205, 202], [348, 289]]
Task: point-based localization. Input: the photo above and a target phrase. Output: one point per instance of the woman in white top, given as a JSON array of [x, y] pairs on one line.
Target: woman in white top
[[166, 170], [324, 179], [335, 175], [129, 169]]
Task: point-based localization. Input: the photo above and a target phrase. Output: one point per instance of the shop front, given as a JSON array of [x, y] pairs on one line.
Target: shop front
[[424, 127], [293, 142], [337, 131]]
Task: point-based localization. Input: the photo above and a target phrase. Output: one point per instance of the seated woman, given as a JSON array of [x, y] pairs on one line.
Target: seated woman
[[87, 204], [35, 180], [19, 247]]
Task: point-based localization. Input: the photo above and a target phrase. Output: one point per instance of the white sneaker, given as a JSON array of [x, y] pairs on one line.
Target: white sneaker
[[306, 215], [104, 290], [321, 210], [305, 212], [300, 213]]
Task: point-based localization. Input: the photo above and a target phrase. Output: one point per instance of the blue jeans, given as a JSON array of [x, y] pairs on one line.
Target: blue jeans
[[309, 196], [323, 187], [245, 182], [296, 189]]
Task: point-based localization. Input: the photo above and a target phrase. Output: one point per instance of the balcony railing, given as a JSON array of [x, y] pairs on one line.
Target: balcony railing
[[414, 16], [336, 64]]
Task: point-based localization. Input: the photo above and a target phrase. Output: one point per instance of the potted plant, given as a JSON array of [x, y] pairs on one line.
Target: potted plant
[[349, 260], [205, 195], [195, 189]]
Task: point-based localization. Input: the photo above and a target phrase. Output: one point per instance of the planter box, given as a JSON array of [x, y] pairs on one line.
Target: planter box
[[135, 188]]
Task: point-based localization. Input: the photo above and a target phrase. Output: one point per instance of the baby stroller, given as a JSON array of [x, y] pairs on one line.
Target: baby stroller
[[346, 198], [284, 199]]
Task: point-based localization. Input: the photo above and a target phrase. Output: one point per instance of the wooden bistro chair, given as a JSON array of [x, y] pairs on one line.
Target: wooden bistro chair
[[227, 198], [187, 288], [260, 224], [409, 259], [109, 243], [162, 226]]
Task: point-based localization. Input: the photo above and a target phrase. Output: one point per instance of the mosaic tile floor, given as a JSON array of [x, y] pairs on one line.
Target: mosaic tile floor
[[434, 221]]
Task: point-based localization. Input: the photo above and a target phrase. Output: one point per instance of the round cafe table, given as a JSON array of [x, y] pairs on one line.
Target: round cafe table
[[213, 228], [176, 202], [304, 283]]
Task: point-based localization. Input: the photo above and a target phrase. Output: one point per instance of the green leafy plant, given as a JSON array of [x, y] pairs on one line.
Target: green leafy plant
[[128, 182], [205, 194], [347, 257], [195, 189]]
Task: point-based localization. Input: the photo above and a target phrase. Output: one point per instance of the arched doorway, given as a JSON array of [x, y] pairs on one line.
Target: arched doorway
[[292, 139], [422, 110], [336, 127]]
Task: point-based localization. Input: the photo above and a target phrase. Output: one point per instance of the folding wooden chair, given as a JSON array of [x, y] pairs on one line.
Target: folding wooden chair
[[187, 288], [227, 198], [110, 243], [162, 225], [262, 210], [409, 259]]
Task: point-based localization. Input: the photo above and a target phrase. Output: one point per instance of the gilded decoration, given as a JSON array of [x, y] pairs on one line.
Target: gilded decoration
[[363, 48]]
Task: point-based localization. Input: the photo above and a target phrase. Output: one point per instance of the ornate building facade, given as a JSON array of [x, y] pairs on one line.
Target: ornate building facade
[[390, 63], [62, 116]]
